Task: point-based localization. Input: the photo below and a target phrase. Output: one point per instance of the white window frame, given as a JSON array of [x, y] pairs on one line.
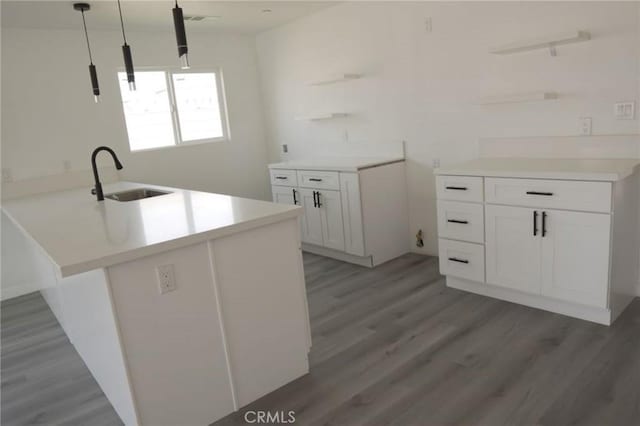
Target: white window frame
[[175, 118]]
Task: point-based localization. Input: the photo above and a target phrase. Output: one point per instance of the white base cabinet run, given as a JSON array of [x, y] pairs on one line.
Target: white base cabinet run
[[358, 216], [567, 246]]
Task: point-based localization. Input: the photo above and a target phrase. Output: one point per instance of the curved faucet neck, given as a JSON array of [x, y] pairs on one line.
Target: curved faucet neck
[[98, 185]]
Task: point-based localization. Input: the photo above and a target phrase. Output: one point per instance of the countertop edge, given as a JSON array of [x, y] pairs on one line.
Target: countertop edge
[[591, 176], [189, 240], [612, 176], [354, 169]]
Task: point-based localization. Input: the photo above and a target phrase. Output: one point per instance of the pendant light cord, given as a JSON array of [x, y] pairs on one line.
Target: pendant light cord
[[84, 24], [122, 23]]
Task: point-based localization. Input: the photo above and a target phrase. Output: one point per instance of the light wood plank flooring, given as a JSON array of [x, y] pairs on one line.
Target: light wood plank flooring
[[391, 345]]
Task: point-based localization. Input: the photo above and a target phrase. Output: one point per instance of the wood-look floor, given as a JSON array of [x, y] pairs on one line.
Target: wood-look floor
[[391, 345], [44, 380]]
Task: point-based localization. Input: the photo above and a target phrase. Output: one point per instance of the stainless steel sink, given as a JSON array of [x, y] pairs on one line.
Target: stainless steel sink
[[135, 194]]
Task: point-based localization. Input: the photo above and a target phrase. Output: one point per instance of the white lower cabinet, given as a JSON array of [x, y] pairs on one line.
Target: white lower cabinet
[[575, 257], [513, 252], [560, 254], [285, 195], [311, 221], [359, 217], [464, 260], [352, 214], [566, 246], [322, 221], [330, 207]]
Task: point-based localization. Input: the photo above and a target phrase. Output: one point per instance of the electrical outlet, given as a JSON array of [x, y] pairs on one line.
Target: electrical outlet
[[166, 278], [7, 176], [285, 148], [427, 25], [436, 163], [585, 126], [624, 110]]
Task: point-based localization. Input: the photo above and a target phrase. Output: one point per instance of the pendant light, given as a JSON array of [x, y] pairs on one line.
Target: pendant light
[[82, 7], [126, 52], [181, 36]]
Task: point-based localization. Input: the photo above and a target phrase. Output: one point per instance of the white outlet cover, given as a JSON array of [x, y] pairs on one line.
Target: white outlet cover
[[585, 126], [7, 175], [428, 27], [166, 278]]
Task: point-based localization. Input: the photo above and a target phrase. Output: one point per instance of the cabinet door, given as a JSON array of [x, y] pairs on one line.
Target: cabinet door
[[513, 253], [352, 213], [284, 195], [575, 257], [311, 220], [331, 216]]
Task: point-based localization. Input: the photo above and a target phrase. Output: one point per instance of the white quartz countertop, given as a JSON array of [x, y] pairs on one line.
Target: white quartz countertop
[[79, 233], [545, 168], [337, 164]]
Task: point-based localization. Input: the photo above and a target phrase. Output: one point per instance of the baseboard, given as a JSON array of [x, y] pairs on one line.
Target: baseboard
[[339, 255], [17, 291], [597, 315]]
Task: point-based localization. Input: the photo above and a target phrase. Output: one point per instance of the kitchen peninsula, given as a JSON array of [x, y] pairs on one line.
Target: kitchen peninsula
[[184, 305]]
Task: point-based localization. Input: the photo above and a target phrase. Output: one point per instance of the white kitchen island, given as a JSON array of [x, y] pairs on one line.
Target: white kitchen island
[[232, 325]]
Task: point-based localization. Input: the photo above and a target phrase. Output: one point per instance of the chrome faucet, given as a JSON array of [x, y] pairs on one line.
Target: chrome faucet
[[97, 190]]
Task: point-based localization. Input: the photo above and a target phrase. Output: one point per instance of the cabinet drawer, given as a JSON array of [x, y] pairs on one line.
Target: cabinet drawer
[[553, 194], [461, 221], [319, 180], [460, 188], [283, 177], [464, 260]]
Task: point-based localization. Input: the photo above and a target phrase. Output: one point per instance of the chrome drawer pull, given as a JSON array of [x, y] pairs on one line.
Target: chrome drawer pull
[[281, 177], [455, 259], [457, 188], [546, 194], [315, 180]]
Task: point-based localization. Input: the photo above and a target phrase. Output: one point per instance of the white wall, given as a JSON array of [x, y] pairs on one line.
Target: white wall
[[421, 86], [49, 116]]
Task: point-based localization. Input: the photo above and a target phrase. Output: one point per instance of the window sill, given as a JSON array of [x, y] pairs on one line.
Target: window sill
[[181, 145]]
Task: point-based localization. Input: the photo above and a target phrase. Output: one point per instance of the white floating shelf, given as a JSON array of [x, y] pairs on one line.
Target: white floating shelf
[[543, 42], [335, 78], [326, 116], [518, 98]]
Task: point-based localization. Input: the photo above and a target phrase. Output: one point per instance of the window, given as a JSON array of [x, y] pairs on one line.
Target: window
[[170, 109]]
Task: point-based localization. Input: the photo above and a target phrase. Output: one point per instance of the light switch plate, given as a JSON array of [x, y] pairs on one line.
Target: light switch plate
[[624, 110]]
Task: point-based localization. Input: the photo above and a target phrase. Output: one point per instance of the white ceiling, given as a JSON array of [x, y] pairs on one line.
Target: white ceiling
[[247, 17]]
